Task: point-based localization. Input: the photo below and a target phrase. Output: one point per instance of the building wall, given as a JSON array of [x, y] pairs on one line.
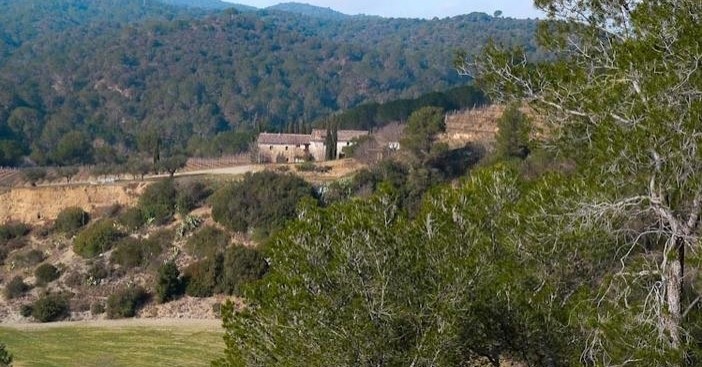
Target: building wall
[[290, 153]]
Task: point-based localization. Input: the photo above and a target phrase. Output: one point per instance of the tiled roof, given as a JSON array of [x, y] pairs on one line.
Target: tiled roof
[[283, 139], [342, 135]]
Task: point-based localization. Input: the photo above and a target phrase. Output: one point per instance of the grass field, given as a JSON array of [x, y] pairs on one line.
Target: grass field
[[113, 347]]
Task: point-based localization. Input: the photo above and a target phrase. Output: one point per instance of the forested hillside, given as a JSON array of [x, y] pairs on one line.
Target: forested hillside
[[110, 71]]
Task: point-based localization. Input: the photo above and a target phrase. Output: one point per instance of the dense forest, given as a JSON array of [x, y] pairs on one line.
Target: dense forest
[[109, 71]]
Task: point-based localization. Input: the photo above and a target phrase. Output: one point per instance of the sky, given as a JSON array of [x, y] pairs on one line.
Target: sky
[[416, 8]]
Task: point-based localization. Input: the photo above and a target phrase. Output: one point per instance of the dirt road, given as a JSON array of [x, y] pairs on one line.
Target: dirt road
[[200, 324]]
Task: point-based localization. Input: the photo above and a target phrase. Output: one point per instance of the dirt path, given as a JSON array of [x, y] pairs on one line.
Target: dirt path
[[200, 324]]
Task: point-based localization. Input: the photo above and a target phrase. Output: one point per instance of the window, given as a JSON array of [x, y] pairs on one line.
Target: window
[[271, 147], [286, 147]]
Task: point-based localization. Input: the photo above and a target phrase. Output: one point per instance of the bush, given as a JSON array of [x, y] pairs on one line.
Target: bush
[[26, 310], [207, 242], [158, 202], [52, 307], [264, 200], [11, 231], [96, 239], [28, 258], [5, 356], [131, 253], [16, 288], [97, 308], [132, 218], [201, 277], [306, 167], [241, 265], [46, 273], [98, 271], [70, 220], [190, 196], [169, 285], [125, 302]]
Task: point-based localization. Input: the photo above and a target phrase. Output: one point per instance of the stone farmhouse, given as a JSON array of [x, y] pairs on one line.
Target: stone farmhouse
[[284, 148]]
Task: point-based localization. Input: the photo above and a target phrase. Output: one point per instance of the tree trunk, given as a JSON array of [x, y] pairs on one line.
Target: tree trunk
[[674, 290]]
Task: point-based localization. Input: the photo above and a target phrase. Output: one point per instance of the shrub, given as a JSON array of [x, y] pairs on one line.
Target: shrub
[[16, 288], [96, 239], [28, 258], [97, 308], [132, 219], [125, 302], [241, 265], [207, 242], [26, 310], [264, 200], [131, 253], [70, 220], [46, 273], [98, 271], [201, 277], [190, 196], [52, 307], [11, 231], [158, 201], [169, 285], [306, 167]]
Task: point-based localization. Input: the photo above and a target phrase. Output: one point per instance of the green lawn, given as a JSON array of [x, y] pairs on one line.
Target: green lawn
[[112, 347]]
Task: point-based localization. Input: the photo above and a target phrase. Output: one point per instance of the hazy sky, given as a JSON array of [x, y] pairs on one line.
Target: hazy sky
[[416, 8]]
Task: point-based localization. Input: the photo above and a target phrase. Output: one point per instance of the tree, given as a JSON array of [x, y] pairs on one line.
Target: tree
[[173, 163], [623, 102], [512, 140], [359, 284], [169, 285], [330, 141], [422, 127], [73, 148], [5, 357]]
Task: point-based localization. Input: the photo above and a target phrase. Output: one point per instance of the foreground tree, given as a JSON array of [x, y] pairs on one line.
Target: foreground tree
[[623, 100], [467, 282]]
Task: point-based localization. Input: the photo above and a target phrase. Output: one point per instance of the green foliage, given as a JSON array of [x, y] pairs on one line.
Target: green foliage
[[172, 164], [241, 265], [51, 307], [158, 201], [169, 284], [207, 242], [96, 239], [264, 201], [70, 220], [463, 282], [201, 277], [254, 66], [46, 273], [132, 218], [16, 287], [131, 253], [27, 258], [5, 356], [422, 128], [26, 310], [190, 196], [618, 104], [125, 302], [97, 308], [10, 231], [512, 140]]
